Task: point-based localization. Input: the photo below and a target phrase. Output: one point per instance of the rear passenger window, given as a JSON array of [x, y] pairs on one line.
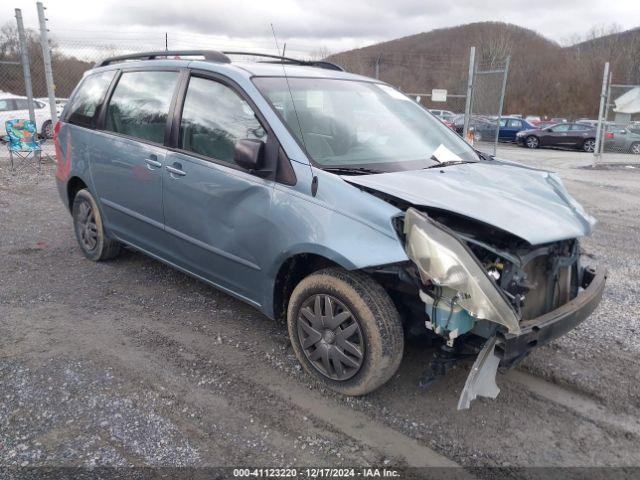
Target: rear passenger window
[[140, 103], [83, 108], [515, 124], [213, 118]]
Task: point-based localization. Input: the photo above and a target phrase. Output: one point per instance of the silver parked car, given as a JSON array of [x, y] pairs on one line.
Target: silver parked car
[[625, 140]]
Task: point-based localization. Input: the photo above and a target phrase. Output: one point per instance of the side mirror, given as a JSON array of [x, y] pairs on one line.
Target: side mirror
[[249, 153]]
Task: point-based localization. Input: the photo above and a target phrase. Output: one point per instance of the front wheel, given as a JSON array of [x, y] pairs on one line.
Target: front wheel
[[345, 330], [635, 148], [589, 145], [532, 142], [47, 129]]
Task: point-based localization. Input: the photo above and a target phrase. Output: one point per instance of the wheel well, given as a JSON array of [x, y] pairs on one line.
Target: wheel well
[[291, 272], [74, 185]]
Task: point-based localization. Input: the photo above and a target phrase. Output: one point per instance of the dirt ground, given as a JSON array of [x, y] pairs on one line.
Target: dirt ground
[[130, 363]]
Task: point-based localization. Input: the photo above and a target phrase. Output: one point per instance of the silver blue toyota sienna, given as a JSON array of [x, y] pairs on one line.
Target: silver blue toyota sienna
[[329, 200]]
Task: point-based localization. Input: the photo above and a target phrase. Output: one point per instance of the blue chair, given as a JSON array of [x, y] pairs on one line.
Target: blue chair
[[23, 144]]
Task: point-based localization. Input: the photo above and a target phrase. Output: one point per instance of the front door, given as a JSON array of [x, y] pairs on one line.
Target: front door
[[217, 215], [129, 155], [558, 135]]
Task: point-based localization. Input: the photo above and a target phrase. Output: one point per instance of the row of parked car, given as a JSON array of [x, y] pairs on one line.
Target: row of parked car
[[533, 132], [17, 107]]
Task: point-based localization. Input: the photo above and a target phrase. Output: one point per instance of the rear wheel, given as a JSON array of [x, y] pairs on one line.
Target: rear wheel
[[89, 229], [532, 142], [589, 145], [635, 148], [345, 330]]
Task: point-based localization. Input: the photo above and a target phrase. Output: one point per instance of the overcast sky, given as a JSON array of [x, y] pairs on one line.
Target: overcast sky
[[310, 25]]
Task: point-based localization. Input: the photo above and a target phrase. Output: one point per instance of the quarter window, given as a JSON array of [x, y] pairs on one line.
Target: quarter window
[[140, 103], [213, 118], [83, 108]]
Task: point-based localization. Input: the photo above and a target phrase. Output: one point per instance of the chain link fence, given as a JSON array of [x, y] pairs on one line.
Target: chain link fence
[[622, 120], [486, 123]]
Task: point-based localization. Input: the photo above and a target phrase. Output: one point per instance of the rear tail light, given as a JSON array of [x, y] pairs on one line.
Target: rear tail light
[[56, 130], [609, 136], [56, 140]]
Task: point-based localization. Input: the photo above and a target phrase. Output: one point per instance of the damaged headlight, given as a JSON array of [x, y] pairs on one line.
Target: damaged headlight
[[442, 259]]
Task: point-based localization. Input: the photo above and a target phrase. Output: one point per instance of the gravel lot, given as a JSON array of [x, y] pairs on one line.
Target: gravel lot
[[131, 363]]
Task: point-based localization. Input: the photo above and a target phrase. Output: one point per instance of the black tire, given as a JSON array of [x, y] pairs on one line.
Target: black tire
[[47, 130], [379, 334], [532, 142], [90, 234], [589, 145]]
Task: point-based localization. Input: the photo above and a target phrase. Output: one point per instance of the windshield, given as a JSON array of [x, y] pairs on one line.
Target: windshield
[[351, 124]]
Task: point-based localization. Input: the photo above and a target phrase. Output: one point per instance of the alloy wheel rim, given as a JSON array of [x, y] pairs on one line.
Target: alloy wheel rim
[[635, 148], [330, 337], [532, 142], [87, 227], [589, 145]]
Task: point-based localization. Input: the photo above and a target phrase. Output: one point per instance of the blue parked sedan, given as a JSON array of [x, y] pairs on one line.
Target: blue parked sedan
[[509, 128]]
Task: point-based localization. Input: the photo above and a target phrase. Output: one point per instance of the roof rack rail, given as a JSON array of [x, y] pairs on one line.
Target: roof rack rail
[[308, 63], [210, 55], [216, 56]]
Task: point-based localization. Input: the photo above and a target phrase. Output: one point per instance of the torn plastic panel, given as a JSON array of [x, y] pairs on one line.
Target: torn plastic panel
[[482, 377], [446, 263]]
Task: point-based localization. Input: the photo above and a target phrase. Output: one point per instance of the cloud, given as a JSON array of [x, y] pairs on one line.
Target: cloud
[[308, 25]]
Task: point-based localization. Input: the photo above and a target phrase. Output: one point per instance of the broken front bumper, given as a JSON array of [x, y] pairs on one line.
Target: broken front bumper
[[506, 349], [542, 330]]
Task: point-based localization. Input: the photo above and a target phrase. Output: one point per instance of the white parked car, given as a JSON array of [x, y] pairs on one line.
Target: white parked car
[[60, 103], [443, 114], [15, 107]]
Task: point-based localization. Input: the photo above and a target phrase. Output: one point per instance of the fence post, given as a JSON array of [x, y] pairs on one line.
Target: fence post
[[470, 82], [46, 55], [24, 52], [377, 71], [601, 113], [504, 89]]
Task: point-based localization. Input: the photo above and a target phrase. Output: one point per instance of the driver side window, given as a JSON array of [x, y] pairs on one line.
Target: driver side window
[[214, 117]]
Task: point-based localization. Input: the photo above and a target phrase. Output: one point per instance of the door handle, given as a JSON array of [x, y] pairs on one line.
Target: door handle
[[175, 171], [152, 162]]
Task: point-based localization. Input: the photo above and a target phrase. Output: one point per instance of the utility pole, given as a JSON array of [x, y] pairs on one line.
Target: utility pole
[[470, 84], [502, 93], [46, 55], [377, 71], [601, 114], [24, 52]]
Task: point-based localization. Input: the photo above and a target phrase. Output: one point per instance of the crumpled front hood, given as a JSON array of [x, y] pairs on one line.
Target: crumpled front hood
[[531, 204]]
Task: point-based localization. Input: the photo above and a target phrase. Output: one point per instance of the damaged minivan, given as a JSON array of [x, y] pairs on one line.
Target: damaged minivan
[[331, 201]]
